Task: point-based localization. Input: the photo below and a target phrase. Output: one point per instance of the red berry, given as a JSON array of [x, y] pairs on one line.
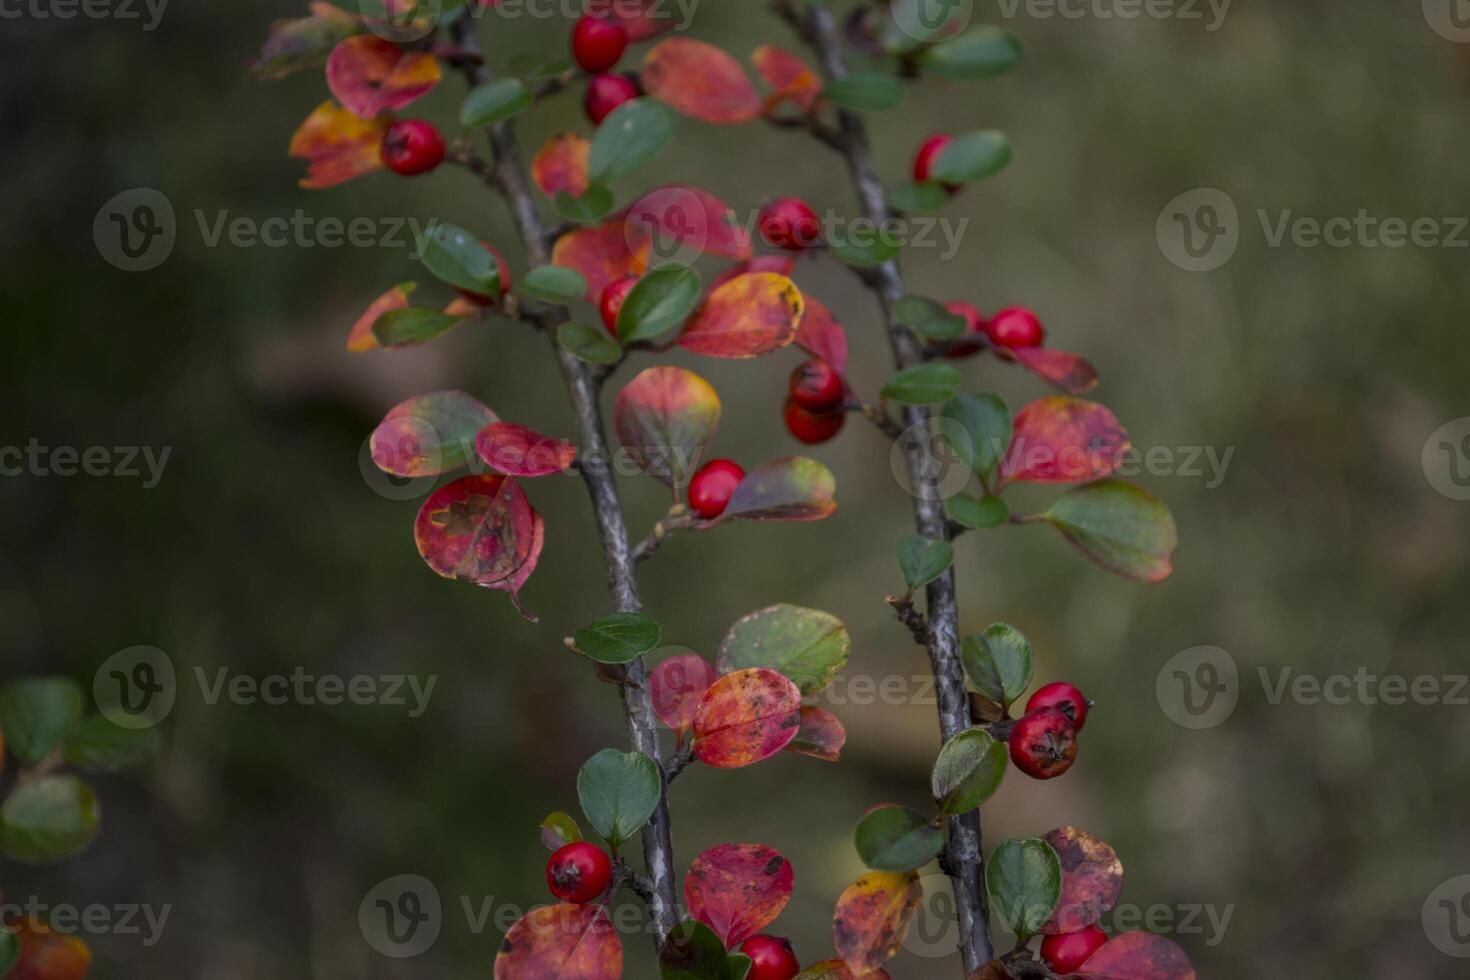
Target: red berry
[[790, 223], [598, 43], [929, 151], [605, 93], [974, 323], [1044, 743], [1015, 326], [711, 488], [1066, 953], [812, 427], [412, 146], [579, 873], [817, 387], [1064, 696], [770, 958], [504, 269], [613, 295]]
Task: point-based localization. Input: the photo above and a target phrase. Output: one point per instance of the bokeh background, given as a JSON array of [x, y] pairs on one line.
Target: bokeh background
[[1320, 830]]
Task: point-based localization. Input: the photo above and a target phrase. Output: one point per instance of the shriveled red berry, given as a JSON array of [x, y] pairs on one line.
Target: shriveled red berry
[[790, 223], [505, 282], [598, 43], [411, 146], [929, 151], [771, 958], [812, 427], [611, 301], [1015, 326], [817, 387], [712, 486], [605, 93], [974, 323], [1064, 696], [579, 873], [1044, 743], [1066, 953]]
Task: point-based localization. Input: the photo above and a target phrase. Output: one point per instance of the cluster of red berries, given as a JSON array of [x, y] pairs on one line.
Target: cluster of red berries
[[1044, 742], [815, 404], [597, 45], [1067, 952]]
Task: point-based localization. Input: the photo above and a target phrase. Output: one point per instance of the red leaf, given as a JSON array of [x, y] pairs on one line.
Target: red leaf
[[561, 165], [371, 75], [337, 145], [738, 889], [745, 717], [821, 736], [569, 942], [47, 955], [676, 687], [682, 222], [665, 417], [1092, 879], [1138, 956], [429, 434], [821, 335], [361, 338], [1063, 440], [1068, 372], [791, 79], [872, 918], [481, 529], [601, 254], [700, 80], [790, 489], [783, 264], [518, 451], [748, 316]]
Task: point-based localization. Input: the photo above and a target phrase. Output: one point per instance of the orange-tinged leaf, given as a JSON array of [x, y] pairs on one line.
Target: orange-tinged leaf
[[676, 687], [429, 434], [561, 942], [872, 918], [371, 75], [462, 306], [518, 451], [700, 80], [481, 529], [665, 417], [360, 338], [1068, 372], [821, 335], [738, 889], [836, 970], [337, 145], [47, 955], [1063, 440], [784, 264], [791, 489], [301, 42], [682, 222], [790, 78], [745, 717], [748, 316], [561, 165], [1092, 879], [601, 255], [1138, 956], [821, 736]]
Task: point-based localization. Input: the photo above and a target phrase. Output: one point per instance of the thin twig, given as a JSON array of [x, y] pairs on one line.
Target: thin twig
[[878, 417], [679, 518]]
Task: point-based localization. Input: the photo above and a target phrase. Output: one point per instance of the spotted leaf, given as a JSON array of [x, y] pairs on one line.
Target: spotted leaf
[[1092, 879], [748, 316], [872, 918], [821, 735], [738, 889], [572, 942], [806, 645], [745, 717], [481, 529], [1063, 440]]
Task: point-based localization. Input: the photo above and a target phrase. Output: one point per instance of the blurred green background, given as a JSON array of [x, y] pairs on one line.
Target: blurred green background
[[1320, 830]]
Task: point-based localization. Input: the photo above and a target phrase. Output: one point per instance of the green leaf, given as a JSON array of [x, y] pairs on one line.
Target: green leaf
[[1122, 527], [922, 384], [694, 952], [808, 646], [658, 302], [983, 52], [9, 952], [979, 513], [922, 196], [629, 137], [972, 157], [558, 830], [538, 66], [457, 257], [865, 91], [928, 317], [897, 839], [1024, 878], [493, 102], [618, 638], [589, 343], [412, 325], [984, 430], [99, 745], [619, 791], [554, 284], [999, 663], [595, 202], [864, 252], [48, 819], [968, 771], [923, 559], [36, 713]]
